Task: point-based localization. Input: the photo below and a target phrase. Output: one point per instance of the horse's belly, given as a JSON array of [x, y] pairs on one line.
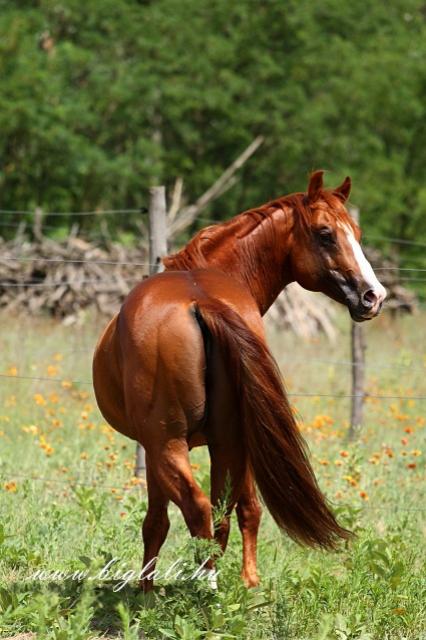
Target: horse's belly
[[197, 439]]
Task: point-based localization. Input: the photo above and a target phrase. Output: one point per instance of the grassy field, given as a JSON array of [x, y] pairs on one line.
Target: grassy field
[[68, 502]]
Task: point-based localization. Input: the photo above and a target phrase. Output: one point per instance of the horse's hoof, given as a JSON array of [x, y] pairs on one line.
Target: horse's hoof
[[250, 580], [146, 585]]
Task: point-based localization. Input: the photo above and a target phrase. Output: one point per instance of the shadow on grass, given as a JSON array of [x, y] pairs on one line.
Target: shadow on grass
[[101, 600]]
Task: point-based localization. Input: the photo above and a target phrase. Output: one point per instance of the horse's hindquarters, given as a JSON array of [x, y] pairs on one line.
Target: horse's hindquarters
[[107, 381], [151, 369], [162, 362]]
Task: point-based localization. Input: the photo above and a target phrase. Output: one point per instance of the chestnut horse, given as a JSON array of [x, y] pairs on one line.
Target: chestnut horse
[[185, 363]]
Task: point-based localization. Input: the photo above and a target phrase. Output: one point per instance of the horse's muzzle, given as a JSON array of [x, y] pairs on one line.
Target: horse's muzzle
[[364, 300], [368, 304]]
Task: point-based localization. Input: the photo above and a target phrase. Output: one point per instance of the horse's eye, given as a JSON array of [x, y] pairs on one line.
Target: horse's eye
[[326, 236]]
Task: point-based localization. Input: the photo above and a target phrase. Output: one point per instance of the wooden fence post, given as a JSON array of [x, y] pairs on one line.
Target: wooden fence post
[[358, 348], [157, 249], [37, 225]]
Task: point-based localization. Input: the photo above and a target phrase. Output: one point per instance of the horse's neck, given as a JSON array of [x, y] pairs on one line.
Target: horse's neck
[[253, 247]]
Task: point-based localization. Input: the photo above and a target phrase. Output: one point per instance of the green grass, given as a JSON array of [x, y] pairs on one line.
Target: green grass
[[67, 503]]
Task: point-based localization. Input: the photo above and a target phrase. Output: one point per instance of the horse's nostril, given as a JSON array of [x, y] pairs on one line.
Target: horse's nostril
[[369, 298]]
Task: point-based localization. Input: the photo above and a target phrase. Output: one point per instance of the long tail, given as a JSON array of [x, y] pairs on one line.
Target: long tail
[[276, 449]]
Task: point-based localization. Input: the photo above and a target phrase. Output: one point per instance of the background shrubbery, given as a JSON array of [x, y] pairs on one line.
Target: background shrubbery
[[99, 99]]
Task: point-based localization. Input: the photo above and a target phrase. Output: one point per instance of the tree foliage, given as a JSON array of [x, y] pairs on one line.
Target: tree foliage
[[100, 99]]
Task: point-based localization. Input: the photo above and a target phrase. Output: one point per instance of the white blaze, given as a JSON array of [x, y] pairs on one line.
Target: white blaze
[[365, 267]]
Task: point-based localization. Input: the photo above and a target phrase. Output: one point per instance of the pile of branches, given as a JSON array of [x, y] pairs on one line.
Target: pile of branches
[[303, 312], [399, 298], [63, 278]]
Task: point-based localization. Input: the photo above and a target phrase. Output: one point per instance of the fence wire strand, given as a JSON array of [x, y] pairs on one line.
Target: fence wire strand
[[141, 485], [149, 264], [73, 213], [293, 394], [69, 482], [67, 283], [78, 261], [143, 209]]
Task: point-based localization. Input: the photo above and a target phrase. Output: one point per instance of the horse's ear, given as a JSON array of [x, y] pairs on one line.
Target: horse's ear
[[315, 185], [344, 190]]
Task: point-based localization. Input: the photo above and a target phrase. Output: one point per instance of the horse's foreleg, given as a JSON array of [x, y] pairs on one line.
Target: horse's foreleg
[[154, 529], [249, 513]]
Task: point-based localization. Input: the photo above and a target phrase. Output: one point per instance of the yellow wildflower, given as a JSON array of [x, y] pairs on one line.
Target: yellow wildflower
[[52, 370], [39, 399]]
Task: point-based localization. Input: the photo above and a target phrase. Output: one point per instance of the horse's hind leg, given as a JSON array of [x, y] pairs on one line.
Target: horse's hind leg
[[228, 458], [240, 490], [155, 527], [249, 513], [173, 474], [227, 474]]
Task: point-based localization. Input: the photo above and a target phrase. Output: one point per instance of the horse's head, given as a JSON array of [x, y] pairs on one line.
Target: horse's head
[[326, 255]]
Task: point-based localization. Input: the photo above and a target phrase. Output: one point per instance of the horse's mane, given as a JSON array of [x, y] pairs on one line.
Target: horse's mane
[[242, 228]]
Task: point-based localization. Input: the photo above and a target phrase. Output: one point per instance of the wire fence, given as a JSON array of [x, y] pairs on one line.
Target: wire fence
[[380, 365], [33, 282], [413, 243], [99, 213], [293, 394], [66, 283], [62, 381], [123, 263], [351, 363], [70, 481], [120, 263], [143, 209], [126, 486], [73, 213], [100, 281]]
